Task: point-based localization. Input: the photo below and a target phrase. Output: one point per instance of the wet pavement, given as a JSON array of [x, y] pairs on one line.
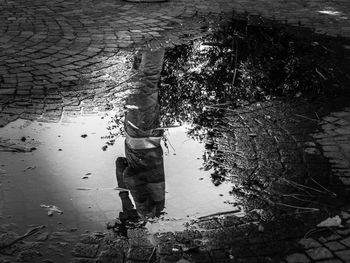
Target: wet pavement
[[65, 71]]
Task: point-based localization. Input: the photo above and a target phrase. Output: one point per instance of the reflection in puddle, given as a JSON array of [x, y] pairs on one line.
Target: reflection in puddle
[[69, 170], [142, 171]]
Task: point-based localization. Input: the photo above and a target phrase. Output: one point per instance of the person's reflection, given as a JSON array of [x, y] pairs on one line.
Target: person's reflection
[[142, 171]]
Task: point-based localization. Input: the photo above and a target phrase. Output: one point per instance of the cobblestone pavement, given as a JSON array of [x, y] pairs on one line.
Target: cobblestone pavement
[[67, 49], [66, 57]]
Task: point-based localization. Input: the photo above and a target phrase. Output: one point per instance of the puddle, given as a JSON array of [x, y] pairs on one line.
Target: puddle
[[198, 132], [54, 173]]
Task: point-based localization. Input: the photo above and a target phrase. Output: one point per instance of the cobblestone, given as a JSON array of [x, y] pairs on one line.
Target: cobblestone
[[334, 246], [319, 253], [56, 55], [344, 255]]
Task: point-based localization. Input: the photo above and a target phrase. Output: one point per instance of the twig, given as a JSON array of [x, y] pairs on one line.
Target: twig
[[236, 59], [169, 142], [313, 231], [151, 256], [27, 234], [300, 185], [334, 194], [319, 73], [219, 108], [301, 116], [298, 207], [318, 117], [14, 148], [219, 214]]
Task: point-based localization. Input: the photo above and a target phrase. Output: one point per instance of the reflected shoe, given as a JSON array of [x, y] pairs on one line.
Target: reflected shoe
[[129, 215]]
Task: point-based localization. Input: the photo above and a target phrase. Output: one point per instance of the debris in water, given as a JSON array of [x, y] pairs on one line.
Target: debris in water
[[86, 176], [83, 135], [83, 188], [52, 209], [30, 168], [16, 148]]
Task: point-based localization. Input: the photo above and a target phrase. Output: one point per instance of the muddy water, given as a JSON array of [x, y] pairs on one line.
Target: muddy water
[[69, 169]]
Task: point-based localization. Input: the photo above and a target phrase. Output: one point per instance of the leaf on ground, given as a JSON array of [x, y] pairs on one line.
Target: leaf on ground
[[331, 222]]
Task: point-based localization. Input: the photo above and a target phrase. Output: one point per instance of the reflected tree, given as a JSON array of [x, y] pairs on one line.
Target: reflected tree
[[236, 65]]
